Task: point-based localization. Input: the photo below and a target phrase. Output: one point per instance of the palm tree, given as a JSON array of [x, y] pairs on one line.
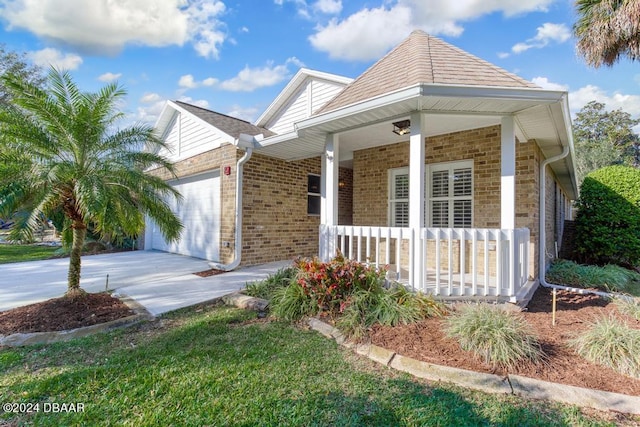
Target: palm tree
[[607, 30], [60, 150]]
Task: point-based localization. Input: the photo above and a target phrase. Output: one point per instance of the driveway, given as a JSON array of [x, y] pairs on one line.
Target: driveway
[[159, 281]]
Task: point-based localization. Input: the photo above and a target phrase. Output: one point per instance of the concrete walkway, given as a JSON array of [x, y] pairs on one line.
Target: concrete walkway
[[160, 281]]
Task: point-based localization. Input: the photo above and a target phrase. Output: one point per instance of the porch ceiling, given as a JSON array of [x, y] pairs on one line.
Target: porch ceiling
[[539, 115]]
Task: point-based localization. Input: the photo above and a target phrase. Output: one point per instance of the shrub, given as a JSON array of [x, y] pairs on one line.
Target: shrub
[[611, 343], [611, 278], [350, 289], [608, 219], [291, 303], [388, 307], [630, 307], [266, 288], [330, 283], [500, 338]]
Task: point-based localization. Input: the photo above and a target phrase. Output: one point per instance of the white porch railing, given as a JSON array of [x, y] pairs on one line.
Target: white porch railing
[[448, 262]]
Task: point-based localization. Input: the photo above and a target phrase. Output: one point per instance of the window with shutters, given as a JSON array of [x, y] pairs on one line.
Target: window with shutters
[[399, 197], [449, 195]]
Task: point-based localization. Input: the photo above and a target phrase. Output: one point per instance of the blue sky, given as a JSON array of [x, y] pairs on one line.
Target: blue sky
[[234, 57]]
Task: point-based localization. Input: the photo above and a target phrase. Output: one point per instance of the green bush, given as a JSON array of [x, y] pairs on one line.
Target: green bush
[[610, 278], [265, 288], [500, 338], [608, 219], [611, 343], [347, 290]]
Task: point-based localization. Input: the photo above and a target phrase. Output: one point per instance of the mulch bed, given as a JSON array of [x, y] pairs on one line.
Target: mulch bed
[[210, 272], [425, 341], [63, 313]]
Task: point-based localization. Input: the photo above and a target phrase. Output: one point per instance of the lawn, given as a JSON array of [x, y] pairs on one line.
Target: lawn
[[19, 253], [216, 365]]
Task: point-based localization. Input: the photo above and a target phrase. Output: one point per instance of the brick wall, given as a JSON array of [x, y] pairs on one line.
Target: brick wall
[[276, 225], [345, 196]]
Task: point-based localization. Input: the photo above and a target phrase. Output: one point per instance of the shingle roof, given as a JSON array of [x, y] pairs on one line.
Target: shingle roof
[[421, 58], [227, 124]]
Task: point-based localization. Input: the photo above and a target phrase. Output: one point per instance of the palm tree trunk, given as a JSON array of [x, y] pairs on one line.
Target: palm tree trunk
[[79, 234]]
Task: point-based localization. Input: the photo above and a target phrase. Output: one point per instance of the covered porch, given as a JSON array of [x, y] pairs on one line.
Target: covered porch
[[428, 225]]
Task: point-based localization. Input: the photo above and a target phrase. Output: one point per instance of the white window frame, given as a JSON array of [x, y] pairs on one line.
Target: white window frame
[[392, 201], [429, 168]]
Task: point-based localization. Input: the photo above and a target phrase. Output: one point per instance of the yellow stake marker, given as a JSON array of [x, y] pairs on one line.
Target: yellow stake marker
[[553, 308]]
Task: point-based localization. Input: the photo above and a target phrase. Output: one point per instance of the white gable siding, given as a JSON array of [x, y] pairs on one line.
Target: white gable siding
[[187, 136], [323, 92], [293, 111], [310, 97]]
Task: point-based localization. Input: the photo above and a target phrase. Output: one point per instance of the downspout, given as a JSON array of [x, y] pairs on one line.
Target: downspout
[[542, 232], [246, 142]]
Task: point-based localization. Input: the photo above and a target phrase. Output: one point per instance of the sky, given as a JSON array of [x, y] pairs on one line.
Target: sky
[[234, 57]]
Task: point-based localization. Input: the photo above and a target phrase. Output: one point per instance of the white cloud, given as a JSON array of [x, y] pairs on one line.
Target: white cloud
[[544, 83], [244, 30], [106, 26], [150, 97], [613, 101], [149, 114], [109, 77], [503, 55], [370, 32], [329, 7], [250, 79], [188, 82], [546, 34], [53, 57], [248, 114]]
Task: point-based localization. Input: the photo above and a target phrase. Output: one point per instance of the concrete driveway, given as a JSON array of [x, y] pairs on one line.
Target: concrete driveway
[[159, 281]]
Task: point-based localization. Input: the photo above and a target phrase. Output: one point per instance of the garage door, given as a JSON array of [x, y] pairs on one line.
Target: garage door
[[199, 212]]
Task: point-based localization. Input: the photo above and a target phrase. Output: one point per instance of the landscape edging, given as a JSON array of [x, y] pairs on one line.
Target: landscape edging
[[22, 339], [524, 386]]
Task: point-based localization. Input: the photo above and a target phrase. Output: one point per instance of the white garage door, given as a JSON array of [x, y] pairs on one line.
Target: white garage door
[[199, 212]]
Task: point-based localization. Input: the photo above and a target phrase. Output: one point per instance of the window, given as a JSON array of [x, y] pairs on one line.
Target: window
[[449, 195], [313, 194], [399, 197]]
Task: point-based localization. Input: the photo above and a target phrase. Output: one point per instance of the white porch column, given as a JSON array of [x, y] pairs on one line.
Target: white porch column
[[416, 195], [329, 192], [508, 173], [416, 171]]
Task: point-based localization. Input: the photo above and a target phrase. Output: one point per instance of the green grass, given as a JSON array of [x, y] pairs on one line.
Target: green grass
[[610, 278], [20, 253], [266, 288], [215, 366]]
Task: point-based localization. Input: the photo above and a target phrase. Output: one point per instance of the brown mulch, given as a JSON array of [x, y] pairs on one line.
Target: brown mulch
[[425, 341], [210, 272], [59, 314]]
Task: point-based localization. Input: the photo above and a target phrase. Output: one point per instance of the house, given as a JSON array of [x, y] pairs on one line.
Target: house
[[451, 171]]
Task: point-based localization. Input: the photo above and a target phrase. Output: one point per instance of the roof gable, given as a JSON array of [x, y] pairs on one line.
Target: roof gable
[[421, 59], [230, 125], [292, 89]]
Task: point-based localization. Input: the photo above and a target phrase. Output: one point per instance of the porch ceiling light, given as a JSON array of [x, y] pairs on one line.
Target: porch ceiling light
[[402, 127]]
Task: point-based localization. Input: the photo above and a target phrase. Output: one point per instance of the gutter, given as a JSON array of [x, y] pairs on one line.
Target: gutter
[[247, 142], [542, 232]]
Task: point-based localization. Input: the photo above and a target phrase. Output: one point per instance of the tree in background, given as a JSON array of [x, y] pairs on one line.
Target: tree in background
[[604, 138], [60, 150], [16, 64], [607, 30]]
